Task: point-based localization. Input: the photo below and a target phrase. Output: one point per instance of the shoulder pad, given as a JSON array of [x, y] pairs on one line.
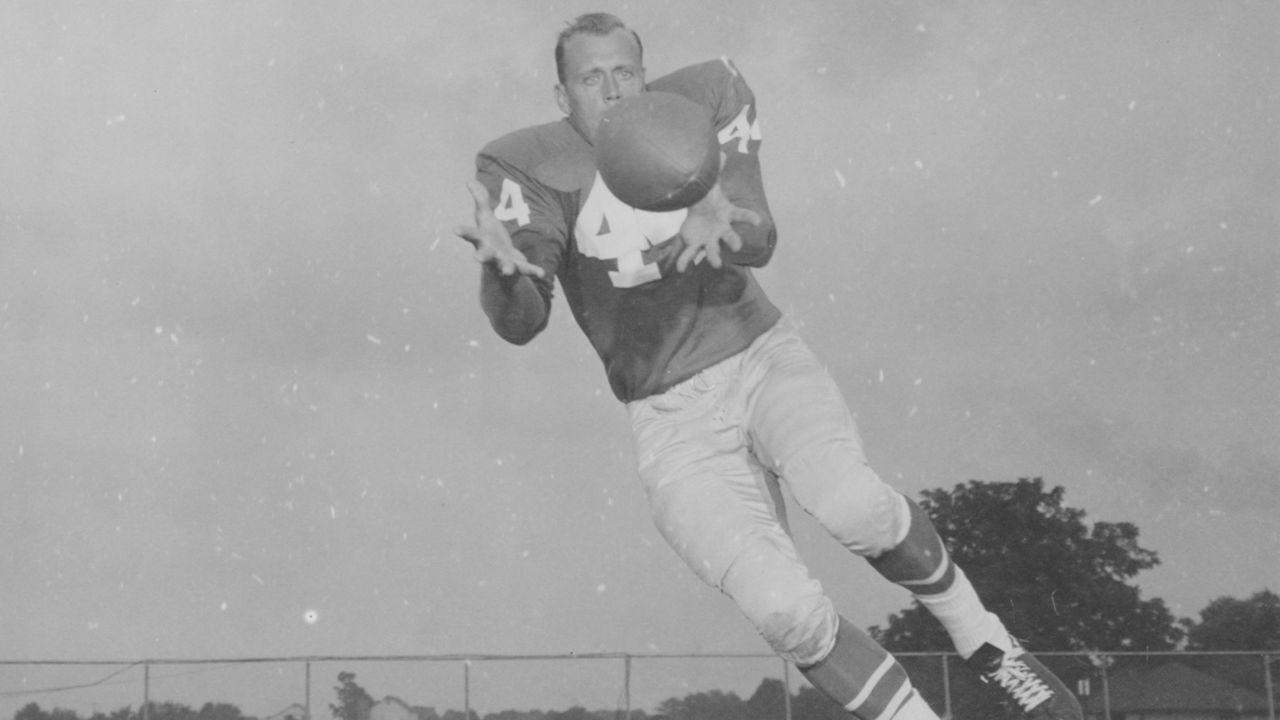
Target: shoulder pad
[[552, 153]]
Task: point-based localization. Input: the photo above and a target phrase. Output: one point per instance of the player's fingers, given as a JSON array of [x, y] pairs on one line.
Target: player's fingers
[[682, 262], [733, 240], [528, 268], [480, 194], [713, 257], [485, 253], [471, 235], [478, 191], [739, 214]]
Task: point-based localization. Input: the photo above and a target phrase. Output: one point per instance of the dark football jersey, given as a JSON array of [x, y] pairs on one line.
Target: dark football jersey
[[652, 326]]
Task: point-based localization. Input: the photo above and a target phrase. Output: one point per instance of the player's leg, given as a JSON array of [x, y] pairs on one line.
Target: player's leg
[[857, 669], [803, 429], [773, 588], [919, 561], [722, 513]]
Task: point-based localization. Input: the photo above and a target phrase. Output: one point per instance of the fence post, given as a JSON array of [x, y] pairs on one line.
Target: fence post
[[306, 698], [146, 691], [1106, 694], [946, 685], [786, 690], [466, 689], [626, 684], [1271, 691]]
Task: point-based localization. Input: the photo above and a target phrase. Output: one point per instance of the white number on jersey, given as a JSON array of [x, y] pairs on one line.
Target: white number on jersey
[[609, 229], [742, 129], [511, 204]]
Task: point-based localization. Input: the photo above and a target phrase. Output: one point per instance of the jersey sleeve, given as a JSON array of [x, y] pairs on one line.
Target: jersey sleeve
[[741, 179], [530, 211], [721, 87]]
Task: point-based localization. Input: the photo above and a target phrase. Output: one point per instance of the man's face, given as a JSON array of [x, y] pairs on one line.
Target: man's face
[[599, 70]]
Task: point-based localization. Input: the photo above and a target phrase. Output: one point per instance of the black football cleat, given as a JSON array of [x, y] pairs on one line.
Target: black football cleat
[[1025, 683]]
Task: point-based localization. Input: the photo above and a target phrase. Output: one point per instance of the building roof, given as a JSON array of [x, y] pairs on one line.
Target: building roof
[[293, 711], [391, 708], [1174, 686]]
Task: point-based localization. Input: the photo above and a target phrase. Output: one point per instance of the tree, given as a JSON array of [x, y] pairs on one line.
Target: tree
[[577, 712], [713, 705], [124, 713], [31, 711], [170, 711], [353, 702], [156, 710], [769, 701], [811, 704], [219, 711], [504, 715], [1230, 624], [1226, 624], [1056, 583]]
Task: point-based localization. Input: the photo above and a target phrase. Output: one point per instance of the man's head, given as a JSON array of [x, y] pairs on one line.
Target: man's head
[[599, 61]]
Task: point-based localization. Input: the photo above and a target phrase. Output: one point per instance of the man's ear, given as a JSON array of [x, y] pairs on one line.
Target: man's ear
[[562, 99]]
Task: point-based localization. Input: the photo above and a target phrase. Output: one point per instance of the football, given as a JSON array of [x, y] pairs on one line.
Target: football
[[658, 151]]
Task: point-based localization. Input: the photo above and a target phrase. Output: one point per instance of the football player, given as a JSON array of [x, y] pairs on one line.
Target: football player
[[726, 400]]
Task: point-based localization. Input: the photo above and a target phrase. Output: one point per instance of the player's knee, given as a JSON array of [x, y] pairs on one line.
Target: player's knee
[[786, 605], [859, 509], [920, 560], [803, 632]]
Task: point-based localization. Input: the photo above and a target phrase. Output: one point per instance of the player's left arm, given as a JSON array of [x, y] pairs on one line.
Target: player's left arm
[[736, 211], [710, 230]]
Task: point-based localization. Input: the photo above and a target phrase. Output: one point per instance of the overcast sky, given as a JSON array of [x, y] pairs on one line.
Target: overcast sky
[[244, 375]]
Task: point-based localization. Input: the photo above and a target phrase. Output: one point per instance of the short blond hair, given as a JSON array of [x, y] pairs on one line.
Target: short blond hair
[[591, 24]]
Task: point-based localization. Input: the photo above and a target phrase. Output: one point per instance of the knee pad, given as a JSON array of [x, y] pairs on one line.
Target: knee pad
[[804, 633], [859, 509], [789, 609]]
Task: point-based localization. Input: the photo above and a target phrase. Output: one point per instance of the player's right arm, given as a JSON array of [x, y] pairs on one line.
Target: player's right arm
[[519, 234], [508, 295]]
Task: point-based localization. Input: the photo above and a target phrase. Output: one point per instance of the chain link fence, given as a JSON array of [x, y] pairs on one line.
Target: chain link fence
[[603, 686]]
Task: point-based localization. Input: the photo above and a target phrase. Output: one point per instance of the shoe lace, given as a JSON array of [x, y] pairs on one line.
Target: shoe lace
[[1017, 679]]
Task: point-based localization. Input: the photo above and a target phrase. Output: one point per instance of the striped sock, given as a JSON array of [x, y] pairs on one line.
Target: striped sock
[[866, 680], [921, 563]]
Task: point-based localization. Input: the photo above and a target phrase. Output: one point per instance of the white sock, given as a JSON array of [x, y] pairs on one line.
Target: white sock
[[965, 618]]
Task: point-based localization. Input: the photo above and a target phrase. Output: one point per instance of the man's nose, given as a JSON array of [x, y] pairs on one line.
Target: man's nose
[[611, 88]]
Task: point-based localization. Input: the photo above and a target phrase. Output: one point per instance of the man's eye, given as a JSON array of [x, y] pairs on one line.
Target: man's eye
[[625, 74], [591, 80]]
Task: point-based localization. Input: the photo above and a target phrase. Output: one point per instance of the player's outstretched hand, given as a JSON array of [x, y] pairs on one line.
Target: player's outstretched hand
[[709, 223], [491, 240]]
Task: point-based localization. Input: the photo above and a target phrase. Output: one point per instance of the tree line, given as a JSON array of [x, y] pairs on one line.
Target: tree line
[[1059, 583], [155, 711]]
